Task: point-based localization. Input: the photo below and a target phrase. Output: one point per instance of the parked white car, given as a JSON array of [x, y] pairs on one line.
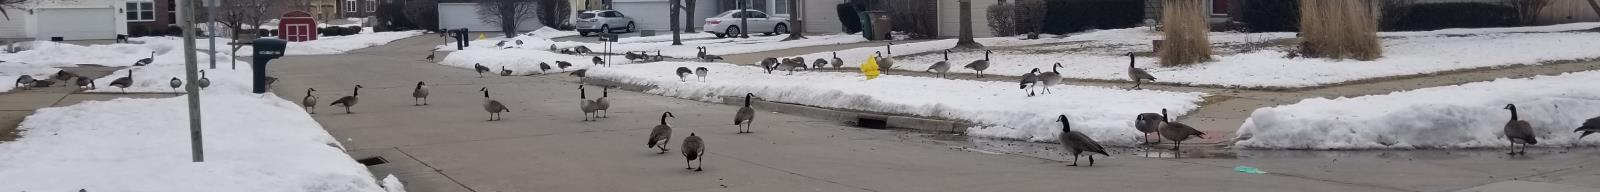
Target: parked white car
[[727, 23], [597, 21]]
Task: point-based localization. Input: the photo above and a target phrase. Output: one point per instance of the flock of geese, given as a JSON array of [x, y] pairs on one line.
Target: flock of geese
[[27, 82]]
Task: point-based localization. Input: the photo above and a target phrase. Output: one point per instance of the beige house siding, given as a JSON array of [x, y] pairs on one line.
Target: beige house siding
[[950, 18], [821, 16], [1567, 11]]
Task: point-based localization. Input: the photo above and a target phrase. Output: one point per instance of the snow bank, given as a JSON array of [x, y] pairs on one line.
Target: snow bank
[[252, 143], [1102, 113], [519, 61], [50, 54], [1462, 116], [341, 44], [157, 78], [551, 33], [9, 75], [663, 43]]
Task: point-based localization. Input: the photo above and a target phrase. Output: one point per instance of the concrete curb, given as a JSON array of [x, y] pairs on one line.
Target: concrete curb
[[859, 118]]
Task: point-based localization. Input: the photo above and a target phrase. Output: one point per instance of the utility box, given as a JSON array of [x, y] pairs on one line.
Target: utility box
[[266, 49], [876, 25]]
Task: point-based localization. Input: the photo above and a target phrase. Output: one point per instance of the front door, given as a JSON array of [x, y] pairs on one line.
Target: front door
[[298, 32]]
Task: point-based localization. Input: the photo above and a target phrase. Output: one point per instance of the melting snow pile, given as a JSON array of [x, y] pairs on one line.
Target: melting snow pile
[[1102, 113], [1462, 116], [663, 43]]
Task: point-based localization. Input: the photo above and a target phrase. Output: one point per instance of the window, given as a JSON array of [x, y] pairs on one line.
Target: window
[[141, 11], [780, 7], [372, 6], [172, 11], [349, 5]]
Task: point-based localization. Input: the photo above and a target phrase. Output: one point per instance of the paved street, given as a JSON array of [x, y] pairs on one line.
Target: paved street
[[543, 146]]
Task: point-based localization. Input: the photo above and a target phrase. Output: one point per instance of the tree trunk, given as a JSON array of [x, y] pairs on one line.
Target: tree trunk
[[688, 18], [673, 9], [966, 41], [508, 19], [744, 21], [797, 22], [1595, 6]]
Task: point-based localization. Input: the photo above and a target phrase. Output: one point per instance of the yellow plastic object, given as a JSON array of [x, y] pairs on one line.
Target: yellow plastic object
[[870, 68], [482, 37]]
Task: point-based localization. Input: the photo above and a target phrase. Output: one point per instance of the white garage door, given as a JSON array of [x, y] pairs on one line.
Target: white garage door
[[77, 23], [465, 15], [647, 15]]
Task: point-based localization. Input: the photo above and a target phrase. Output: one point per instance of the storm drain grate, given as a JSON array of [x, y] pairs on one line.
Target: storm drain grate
[[372, 161], [872, 123]]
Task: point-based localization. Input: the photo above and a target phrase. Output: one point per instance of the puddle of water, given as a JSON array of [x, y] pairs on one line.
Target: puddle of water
[[1199, 151]]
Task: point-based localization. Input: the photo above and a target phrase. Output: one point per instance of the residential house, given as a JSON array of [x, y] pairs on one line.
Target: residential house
[[653, 14], [457, 14], [72, 20], [324, 10], [822, 16], [358, 8]]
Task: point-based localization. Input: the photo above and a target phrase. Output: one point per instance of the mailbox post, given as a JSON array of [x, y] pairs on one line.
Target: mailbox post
[[266, 49]]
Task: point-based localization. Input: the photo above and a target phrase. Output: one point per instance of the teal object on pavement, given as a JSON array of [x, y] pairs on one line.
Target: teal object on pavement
[[1248, 169]]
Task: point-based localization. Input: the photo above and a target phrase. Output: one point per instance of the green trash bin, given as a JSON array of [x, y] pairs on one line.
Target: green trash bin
[[875, 25]]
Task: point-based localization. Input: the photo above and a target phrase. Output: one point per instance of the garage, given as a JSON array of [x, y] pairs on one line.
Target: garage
[[76, 23], [465, 15], [653, 14]]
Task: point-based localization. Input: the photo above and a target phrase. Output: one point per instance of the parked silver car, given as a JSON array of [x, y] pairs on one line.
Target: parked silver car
[[603, 21], [727, 23]]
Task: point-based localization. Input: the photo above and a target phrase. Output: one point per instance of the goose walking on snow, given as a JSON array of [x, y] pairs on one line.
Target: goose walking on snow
[[746, 115], [310, 101], [683, 74], [884, 61], [123, 82], [598, 61], [980, 65], [819, 64], [1076, 143], [1590, 126], [25, 82], [588, 106], [203, 82], [492, 106], [146, 61], [1148, 123], [603, 104], [769, 64], [1177, 132], [694, 148], [941, 68], [563, 64], [544, 66], [1519, 132], [1048, 79], [661, 134], [836, 62], [480, 69], [702, 72], [1138, 75], [1030, 79], [175, 83], [419, 95], [348, 101]]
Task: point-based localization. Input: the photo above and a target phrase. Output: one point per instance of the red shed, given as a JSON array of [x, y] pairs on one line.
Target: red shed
[[296, 26]]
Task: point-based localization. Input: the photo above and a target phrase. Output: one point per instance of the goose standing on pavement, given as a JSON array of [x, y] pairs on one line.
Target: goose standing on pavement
[[430, 55], [694, 148], [175, 83], [582, 74], [1076, 143], [1590, 126], [1048, 79], [492, 106], [563, 64], [683, 73], [203, 82], [504, 71], [348, 101], [310, 101], [884, 61], [1519, 132], [146, 61], [603, 104], [980, 65], [544, 66], [661, 134], [480, 69], [1032, 78], [837, 63], [1177, 132], [123, 82], [941, 68], [419, 95], [702, 72], [588, 106], [746, 116], [25, 82], [85, 82], [1138, 75], [63, 75], [1148, 123], [794, 64]]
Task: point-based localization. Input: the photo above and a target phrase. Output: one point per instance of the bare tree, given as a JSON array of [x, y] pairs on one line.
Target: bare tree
[[506, 13], [12, 4], [424, 13], [672, 21], [796, 32], [554, 13], [1594, 5], [688, 17], [966, 41]]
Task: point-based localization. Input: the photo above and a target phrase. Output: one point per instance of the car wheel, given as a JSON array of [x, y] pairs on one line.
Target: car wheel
[[605, 29], [719, 35], [732, 31], [780, 29], [632, 28], [583, 34]]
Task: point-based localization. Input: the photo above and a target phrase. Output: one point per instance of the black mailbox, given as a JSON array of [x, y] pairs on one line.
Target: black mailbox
[[266, 49]]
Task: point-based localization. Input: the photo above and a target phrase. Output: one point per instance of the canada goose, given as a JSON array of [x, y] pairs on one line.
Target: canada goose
[[1177, 132], [1148, 123], [1138, 75], [25, 82], [430, 56], [598, 61], [492, 106], [1048, 79], [1076, 143], [310, 101], [504, 71], [980, 65], [588, 106], [884, 62], [1032, 78], [501, 44], [582, 74], [769, 64], [703, 56], [123, 82], [63, 75], [348, 101], [563, 64], [480, 69], [1589, 127], [819, 64], [553, 47], [683, 73], [146, 61], [203, 82], [836, 61], [694, 148], [941, 68], [85, 82], [793, 64], [661, 133], [632, 56], [746, 115], [419, 95], [175, 82], [1519, 132], [602, 104], [582, 49], [658, 56], [702, 72], [544, 66], [44, 83], [519, 43]]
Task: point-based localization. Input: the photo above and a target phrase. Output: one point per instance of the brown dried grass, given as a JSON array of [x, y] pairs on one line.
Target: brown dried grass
[[1339, 29], [1184, 33]]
